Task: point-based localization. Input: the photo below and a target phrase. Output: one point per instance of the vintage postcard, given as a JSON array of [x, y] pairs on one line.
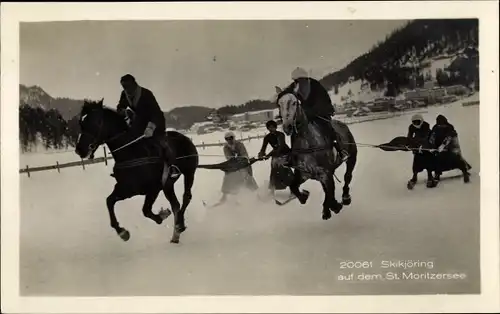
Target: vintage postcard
[[250, 157]]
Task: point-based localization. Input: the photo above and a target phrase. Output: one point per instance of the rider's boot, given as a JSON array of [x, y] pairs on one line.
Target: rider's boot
[[169, 158], [342, 152]]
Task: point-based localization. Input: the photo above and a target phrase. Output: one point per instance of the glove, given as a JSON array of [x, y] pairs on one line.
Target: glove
[[441, 148], [420, 149], [148, 132]]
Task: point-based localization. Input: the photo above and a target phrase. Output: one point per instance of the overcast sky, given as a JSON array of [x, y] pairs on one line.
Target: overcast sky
[[207, 63]]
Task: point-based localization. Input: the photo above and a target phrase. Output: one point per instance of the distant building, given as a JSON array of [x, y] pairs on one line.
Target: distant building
[[255, 116], [261, 116], [456, 90], [240, 117], [216, 117], [383, 104]]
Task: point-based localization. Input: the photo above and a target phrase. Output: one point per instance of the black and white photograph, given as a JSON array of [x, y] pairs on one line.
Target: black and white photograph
[[278, 157]]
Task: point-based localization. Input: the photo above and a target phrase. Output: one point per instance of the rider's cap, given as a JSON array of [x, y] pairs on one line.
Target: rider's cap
[[229, 135], [440, 119], [271, 123], [127, 77], [299, 72], [417, 117]]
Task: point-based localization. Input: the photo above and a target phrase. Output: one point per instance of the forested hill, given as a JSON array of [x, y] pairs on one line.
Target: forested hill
[[412, 43]]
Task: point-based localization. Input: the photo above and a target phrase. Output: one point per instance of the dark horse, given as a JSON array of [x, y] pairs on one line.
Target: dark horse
[[312, 153], [139, 167]]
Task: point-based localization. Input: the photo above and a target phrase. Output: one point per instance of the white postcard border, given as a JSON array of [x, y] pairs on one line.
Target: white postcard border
[[486, 11]]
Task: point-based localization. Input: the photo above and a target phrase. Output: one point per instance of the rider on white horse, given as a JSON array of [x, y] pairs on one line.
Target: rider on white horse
[[305, 86]]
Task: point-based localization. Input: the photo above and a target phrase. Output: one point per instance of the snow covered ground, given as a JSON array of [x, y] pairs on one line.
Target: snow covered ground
[[255, 247]]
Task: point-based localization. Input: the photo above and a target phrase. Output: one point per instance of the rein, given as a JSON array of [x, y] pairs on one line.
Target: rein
[[127, 144], [312, 149], [137, 162], [96, 139]]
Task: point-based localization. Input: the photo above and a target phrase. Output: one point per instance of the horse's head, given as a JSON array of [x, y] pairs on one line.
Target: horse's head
[[291, 111], [97, 125], [91, 128]]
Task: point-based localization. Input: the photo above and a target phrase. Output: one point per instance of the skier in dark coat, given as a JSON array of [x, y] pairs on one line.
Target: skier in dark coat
[[148, 118], [279, 154], [419, 129], [418, 135], [444, 139]]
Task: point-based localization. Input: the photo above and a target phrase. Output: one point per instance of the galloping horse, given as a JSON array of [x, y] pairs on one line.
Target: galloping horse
[[312, 153], [139, 167]]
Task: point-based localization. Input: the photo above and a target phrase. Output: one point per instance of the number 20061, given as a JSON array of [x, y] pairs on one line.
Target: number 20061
[[357, 264]]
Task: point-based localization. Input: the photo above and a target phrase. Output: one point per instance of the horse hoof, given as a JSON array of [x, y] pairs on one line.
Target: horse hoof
[[303, 197], [174, 241], [164, 213], [431, 184], [124, 235], [410, 185], [346, 200], [326, 215], [336, 208], [466, 179]]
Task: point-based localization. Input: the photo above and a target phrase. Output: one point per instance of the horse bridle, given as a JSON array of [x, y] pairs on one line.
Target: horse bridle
[[296, 128], [97, 139]]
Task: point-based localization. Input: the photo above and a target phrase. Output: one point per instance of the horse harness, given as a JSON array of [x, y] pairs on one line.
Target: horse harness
[[136, 162], [295, 151]]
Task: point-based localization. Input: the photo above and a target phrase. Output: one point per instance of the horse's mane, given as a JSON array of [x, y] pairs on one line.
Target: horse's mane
[[288, 90], [89, 105], [313, 119], [96, 104]]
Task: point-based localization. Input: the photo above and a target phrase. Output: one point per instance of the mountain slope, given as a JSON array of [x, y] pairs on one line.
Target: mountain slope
[[35, 96], [407, 46]]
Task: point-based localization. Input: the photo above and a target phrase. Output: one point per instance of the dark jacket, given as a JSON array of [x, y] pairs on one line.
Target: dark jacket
[[146, 110], [420, 135], [442, 131], [313, 95], [277, 142]]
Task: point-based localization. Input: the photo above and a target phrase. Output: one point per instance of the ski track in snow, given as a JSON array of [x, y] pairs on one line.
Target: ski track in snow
[[256, 248]]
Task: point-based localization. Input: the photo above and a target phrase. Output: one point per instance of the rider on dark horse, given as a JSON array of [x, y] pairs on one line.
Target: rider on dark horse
[[444, 138], [312, 95], [148, 118], [280, 151]]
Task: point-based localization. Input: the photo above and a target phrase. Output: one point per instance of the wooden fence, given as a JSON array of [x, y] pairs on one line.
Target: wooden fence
[[470, 103], [203, 145], [105, 158]]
